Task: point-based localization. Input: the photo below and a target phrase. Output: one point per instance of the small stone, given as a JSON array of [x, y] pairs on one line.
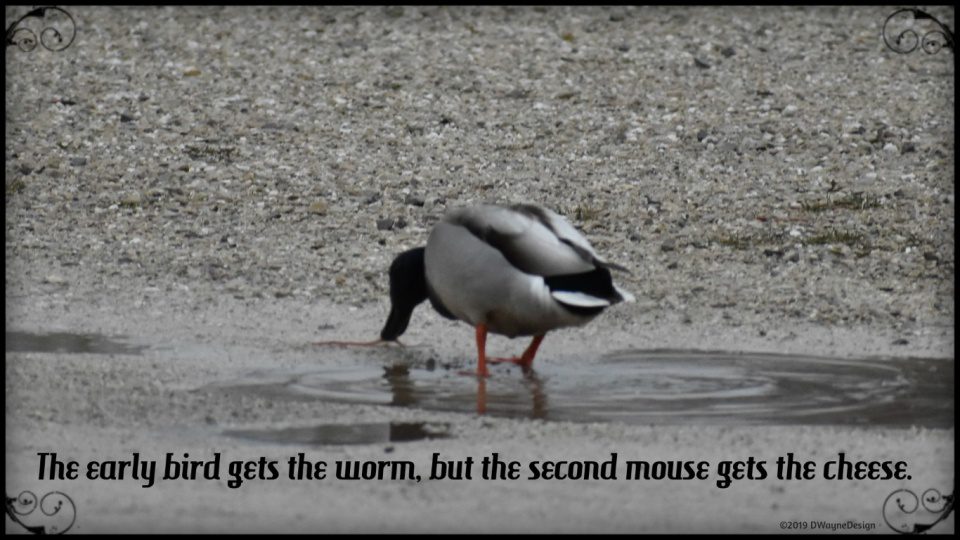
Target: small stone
[[701, 64], [669, 245], [727, 52], [930, 256], [413, 200], [790, 110], [131, 199], [701, 135], [191, 72], [908, 148], [891, 148], [55, 280], [385, 224], [901, 341], [793, 256], [78, 161], [125, 118], [318, 207]]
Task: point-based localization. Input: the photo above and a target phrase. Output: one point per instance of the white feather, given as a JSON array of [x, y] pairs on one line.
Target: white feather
[[579, 299], [627, 297]]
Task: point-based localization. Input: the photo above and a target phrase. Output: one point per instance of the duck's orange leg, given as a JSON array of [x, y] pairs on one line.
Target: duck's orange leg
[[482, 350], [525, 361]]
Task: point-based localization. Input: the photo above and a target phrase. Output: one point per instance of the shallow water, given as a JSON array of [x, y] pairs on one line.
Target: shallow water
[[631, 386], [654, 387], [66, 342], [347, 433]]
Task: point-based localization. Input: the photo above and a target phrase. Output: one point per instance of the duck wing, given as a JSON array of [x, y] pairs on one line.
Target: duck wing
[[533, 239]]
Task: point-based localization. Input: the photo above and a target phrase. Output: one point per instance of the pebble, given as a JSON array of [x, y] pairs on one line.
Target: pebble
[[413, 200], [318, 208], [131, 199], [55, 280], [385, 224]]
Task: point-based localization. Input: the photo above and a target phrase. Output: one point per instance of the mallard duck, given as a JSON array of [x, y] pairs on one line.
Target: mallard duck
[[518, 270]]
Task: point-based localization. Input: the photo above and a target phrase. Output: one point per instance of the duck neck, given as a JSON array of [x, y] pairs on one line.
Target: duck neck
[[408, 289]]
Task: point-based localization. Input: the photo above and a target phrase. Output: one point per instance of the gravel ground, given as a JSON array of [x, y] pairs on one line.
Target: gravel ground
[[806, 174], [775, 179]]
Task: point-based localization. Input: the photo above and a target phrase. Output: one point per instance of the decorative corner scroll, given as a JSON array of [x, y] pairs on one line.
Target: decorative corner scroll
[[57, 30], [908, 39], [57, 512], [906, 513]]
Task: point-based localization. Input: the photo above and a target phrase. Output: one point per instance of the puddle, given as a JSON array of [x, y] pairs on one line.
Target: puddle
[[347, 433], [654, 387], [66, 342]]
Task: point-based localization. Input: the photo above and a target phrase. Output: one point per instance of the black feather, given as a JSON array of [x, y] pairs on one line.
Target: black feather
[[408, 289], [596, 282]]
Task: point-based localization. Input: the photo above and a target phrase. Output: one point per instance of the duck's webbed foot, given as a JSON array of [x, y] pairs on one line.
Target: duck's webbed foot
[[525, 360]]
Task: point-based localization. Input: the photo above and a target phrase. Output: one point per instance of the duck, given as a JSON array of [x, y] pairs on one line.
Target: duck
[[513, 270]]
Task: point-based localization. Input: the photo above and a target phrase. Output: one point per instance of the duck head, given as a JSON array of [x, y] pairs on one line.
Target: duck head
[[408, 288]]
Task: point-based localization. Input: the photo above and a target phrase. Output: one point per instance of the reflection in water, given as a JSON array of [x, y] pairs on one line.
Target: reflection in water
[[404, 393], [537, 393], [654, 387], [481, 395]]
